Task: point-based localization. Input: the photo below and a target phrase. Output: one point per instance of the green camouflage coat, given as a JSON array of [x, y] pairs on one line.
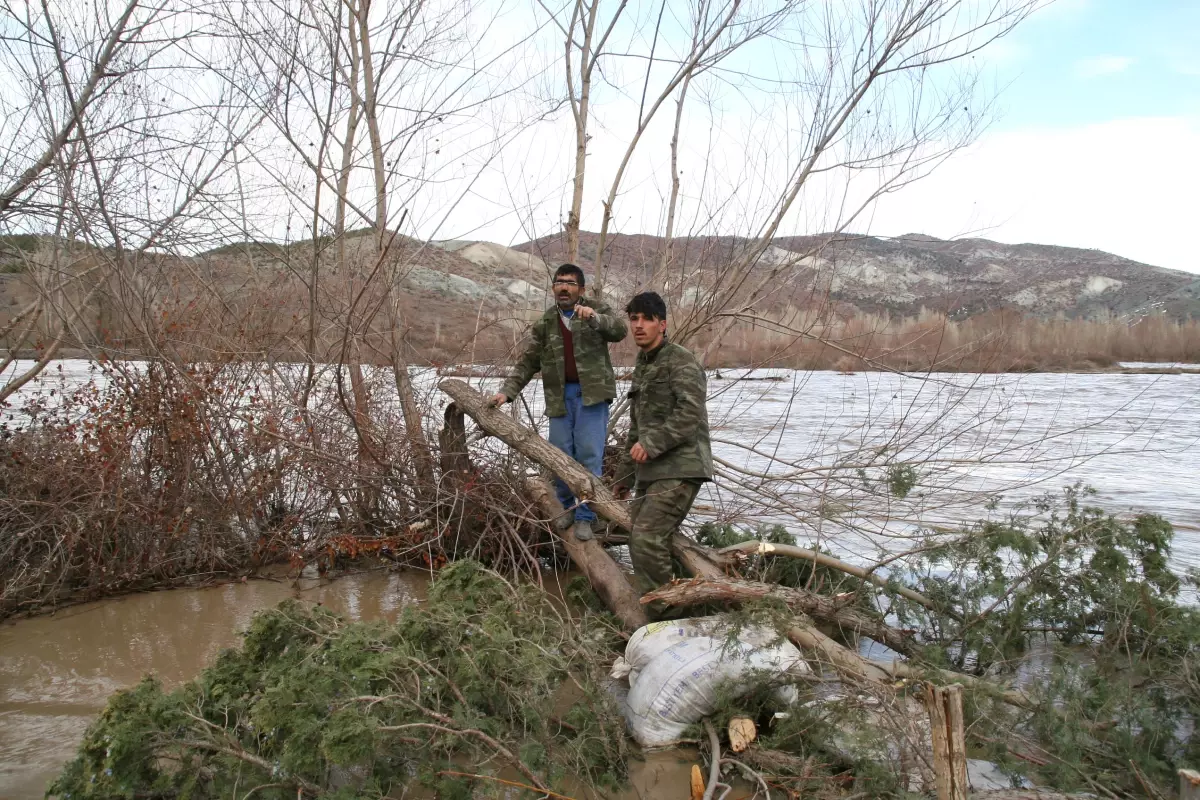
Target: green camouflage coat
[[545, 354], [668, 414]]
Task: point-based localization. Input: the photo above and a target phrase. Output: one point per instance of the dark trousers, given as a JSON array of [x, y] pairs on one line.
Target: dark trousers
[[656, 513]]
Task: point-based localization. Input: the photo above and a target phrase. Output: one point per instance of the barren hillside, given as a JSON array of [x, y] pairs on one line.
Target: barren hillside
[[909, 273]]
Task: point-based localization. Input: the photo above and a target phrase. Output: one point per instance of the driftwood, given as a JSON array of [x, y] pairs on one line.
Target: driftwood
[[697, 559], [826, 609], [824, 559]]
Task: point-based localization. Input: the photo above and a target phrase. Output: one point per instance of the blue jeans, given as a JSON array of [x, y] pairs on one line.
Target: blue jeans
[[581, 435]]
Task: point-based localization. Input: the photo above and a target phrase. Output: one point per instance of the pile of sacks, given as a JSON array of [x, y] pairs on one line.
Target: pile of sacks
[[677, 670]]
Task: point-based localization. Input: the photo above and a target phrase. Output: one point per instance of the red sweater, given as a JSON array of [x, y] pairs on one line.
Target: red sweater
[[570, 373]]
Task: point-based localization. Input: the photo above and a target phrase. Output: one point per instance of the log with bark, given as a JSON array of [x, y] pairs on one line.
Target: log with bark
[[602, 572]]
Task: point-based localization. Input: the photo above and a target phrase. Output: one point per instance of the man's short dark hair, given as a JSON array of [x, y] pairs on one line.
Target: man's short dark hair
[[649, 305], [572, 270]]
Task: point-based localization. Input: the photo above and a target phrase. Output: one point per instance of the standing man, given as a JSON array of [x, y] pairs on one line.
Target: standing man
[[569, 345], [668, 447]]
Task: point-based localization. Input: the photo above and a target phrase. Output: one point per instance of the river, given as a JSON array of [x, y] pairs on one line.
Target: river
[[807, 449]]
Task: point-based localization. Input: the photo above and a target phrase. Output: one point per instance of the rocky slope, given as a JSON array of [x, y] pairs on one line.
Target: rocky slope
[[909, 273]]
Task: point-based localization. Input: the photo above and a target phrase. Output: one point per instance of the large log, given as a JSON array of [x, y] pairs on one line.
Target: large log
[[588, 488], [826, 609], [601, 571]]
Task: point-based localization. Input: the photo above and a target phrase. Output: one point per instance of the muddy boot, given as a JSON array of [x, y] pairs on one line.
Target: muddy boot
[[583, 530], [564, 521]]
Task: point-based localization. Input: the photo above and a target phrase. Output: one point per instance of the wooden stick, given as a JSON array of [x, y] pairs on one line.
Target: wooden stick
[[526, 786], [956, 731], [949, 740], [1189, 784]]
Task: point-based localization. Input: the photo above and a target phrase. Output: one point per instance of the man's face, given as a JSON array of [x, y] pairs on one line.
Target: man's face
[[648, 332], [567, 291]]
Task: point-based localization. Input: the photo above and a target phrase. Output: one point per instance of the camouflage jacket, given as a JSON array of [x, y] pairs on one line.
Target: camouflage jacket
[[668, 414], [545, 354]]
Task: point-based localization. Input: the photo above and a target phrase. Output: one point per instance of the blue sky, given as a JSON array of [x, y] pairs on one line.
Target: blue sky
[[1090, 61], [1096, 144]]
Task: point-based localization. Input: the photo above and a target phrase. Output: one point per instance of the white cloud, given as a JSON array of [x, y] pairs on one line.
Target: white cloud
[[1124, 186], [1187, 66], [1101, 66]]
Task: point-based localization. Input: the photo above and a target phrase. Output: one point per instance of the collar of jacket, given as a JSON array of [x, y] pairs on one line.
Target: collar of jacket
[[653, 354]]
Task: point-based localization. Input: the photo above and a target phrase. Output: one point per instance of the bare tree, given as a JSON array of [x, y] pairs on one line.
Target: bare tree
[[114, 142]]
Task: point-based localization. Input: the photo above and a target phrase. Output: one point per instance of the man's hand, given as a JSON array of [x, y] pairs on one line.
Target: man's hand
[[497, 400], [585, 312], [639, 454]]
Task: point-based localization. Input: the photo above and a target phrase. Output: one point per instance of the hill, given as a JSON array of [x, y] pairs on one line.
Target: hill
[[905, 274]]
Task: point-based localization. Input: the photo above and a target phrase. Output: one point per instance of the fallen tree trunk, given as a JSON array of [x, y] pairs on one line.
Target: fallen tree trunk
[[697, 559], [805, 635], [601, 571], [824, 559], [826, 609]]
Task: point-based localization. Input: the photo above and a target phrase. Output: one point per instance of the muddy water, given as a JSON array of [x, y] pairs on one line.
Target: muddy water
[[56, 672]]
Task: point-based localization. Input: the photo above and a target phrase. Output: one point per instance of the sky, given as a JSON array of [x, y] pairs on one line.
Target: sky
[[1096, 144]]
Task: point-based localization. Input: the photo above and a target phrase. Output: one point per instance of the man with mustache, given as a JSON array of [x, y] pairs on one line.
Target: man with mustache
[[569, 346], [668, 450]]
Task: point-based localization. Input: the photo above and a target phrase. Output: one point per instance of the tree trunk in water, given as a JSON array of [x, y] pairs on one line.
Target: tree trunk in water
[[603, 573]]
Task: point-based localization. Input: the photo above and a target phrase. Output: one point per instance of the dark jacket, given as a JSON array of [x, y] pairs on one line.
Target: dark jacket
[[544, 353], [668, 414]]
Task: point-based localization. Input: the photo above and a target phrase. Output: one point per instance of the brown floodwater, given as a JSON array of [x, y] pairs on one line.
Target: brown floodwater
[[57, 671]]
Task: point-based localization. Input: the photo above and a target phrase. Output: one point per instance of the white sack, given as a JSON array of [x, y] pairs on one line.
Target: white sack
[[676, 685]]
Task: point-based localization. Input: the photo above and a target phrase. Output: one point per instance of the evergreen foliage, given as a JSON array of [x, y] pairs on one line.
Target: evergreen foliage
[[485, 678]]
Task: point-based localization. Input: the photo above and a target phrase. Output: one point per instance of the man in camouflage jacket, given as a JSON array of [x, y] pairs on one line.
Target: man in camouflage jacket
[[668, 451], [569, 346]]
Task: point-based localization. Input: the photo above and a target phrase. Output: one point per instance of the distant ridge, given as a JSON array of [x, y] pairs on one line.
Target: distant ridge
[[905, 274]]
